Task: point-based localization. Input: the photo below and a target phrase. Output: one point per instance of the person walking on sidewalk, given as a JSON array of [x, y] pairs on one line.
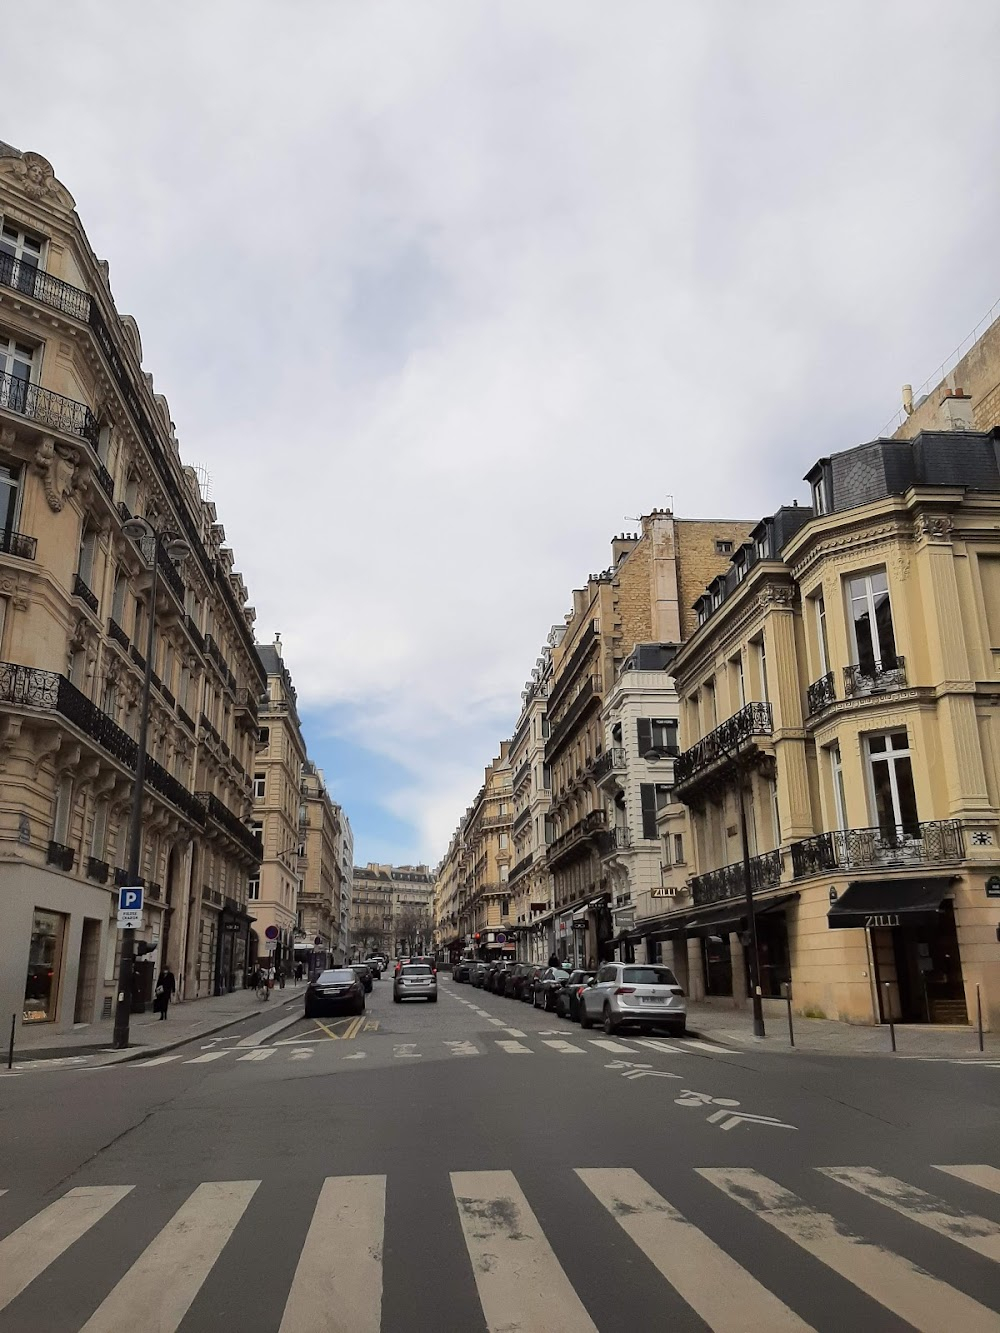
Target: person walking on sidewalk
[[164, 993]]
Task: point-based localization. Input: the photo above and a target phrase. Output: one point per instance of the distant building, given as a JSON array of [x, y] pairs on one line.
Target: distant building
[[391, 909]]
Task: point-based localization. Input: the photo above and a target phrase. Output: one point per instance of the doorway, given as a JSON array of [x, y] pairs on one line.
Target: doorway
[[86, 976], [923, 968]]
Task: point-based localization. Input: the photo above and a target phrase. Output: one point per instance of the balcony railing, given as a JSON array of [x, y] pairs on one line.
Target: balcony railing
[[48, 408], [185, 717], [116, 632], [752, 720], [42, 287], [246, 701], [611, 761], [856, 849], [615, 839], [236, 829], [719, 885], [820, 693], [196, 634], [169, 573], [874, 678], [594, 822], [85, 595], [60, 856], [15, 543], [492, 821], [97, 869], [524, 864]]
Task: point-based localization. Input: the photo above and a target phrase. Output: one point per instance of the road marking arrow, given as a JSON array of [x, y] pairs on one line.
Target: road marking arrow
[[730, 1119], [648, 1073]]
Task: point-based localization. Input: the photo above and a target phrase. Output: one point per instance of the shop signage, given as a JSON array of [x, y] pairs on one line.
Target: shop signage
[[663, 891], [232, 927], [993, 886], [873, 921], [130, 907]]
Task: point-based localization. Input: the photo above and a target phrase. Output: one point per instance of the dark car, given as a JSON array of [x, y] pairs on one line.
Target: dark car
[[547, 987], [460, 972], [515, 979], [530, 982], [497, 965], [339, 990], [568, 996], [477, 975], [364, 975], [426, 958]]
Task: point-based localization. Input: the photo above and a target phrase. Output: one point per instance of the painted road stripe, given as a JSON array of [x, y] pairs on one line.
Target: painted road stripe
[[716, 1287], [707, 1046], [564, 1047], [337, 1286], [257, 1038], [515, 1047], [303, 1055], [606, 1044], [462, 1048], [513, 1032], [160, 1060], [974, 1232], [520, 1281], [262, 1054], [30, 1249], [158, 1289], [204, 1059], [915, 1296], [986, 1177], [657, 1045]]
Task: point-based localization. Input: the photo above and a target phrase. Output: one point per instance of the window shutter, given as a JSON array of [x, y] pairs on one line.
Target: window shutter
[[647, 800], [644, 727]]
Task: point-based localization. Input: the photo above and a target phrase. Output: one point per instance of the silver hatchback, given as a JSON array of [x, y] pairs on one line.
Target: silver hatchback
[[415, 981], [643, 995]]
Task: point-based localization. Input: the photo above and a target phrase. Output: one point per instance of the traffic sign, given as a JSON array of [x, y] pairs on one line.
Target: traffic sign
[[130, 906], [271, 932]]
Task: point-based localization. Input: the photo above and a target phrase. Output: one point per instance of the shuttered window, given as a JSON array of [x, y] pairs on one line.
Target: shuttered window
[[647, 799]]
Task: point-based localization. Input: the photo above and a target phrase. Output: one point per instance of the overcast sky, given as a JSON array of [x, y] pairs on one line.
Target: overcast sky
[[444, 292]]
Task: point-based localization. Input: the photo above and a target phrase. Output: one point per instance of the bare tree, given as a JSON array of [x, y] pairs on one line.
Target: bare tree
[[412, 930], [369, 936]]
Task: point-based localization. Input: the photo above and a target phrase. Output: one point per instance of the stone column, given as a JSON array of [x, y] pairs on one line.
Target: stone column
[[739, 971], [696, 979]]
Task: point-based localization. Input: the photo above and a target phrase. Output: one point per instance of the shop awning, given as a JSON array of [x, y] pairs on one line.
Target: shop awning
[[731, 916], [873, 903]]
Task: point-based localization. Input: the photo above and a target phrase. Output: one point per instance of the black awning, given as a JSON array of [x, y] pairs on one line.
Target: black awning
[[732, 916], [873, 903]]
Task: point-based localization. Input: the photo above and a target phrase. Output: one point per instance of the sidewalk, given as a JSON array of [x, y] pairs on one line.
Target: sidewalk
[[827, 1037], [148, 1033]]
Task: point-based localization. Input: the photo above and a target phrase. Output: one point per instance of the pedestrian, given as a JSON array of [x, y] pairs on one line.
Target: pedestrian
[[163, 994], [553, 959], [298, 971], [281, 977]]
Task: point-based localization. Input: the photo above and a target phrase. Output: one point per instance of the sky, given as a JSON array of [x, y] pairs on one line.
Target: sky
[[445, 293]]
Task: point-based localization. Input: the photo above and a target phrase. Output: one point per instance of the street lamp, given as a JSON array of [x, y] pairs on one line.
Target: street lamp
[[754, 955], [146, 537]]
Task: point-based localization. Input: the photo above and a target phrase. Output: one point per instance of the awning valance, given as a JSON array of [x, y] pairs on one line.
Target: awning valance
[[875, 903]]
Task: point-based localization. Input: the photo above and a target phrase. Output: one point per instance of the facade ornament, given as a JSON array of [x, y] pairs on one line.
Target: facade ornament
[[8, 436], [59, 467], [33, 174], [777, 594], [933, 527]]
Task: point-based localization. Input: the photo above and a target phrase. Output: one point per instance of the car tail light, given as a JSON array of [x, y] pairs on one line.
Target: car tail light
[[580, 990], [624, 990]]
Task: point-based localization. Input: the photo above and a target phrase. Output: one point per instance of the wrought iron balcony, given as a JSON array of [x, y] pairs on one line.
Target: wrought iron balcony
[[582, 831], [185, 717], [494, 821], [169, 572], [195, 633], [116, 632], [137, 657], [154, 890], [875, 678], [724, 742], [168, 695], [15, 543], [60, 856], [820, 693], [718, 886], [524, 864], [615, 839], [106, 479], [85, 595], [938, 841], [32, 281], [234, 826], [98, 870], [611, 761], [49, 409], [246, 702]]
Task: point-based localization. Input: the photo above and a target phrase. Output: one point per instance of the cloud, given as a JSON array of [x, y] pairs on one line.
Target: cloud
[[441, 291]]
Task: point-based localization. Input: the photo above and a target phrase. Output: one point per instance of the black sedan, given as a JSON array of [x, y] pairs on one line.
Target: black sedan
[[364, 975], [568, 996], [547, 988], [336, 991]]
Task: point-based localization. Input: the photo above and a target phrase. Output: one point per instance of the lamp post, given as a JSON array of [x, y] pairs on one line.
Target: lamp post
[[754, 955], [142, 532]]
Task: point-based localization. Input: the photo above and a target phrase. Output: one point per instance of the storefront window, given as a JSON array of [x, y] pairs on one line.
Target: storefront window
[[41, 989], [772, 953], [717, 964]]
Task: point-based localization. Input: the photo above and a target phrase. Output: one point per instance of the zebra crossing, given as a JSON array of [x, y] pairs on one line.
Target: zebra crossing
[[384, 1047], [490, 1227]]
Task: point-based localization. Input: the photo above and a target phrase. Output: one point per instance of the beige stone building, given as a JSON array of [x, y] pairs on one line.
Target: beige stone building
[[484, 902], [85, 443], [448, 882], [320, 940], [392, 909], [845, 677]]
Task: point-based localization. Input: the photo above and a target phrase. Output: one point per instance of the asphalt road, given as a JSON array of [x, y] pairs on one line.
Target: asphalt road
[[479, 1165]]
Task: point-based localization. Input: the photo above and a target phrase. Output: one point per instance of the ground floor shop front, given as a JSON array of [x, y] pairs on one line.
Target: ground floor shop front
[[916, 950]]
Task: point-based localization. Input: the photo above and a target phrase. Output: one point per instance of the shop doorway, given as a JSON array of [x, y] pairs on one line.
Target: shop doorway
[[919, 971], [86, 976]]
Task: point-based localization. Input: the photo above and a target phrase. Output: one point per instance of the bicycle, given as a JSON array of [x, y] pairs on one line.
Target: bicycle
[[263, 991]]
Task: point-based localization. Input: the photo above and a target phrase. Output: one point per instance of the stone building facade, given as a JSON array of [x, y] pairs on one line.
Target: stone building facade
[[484, 902], [392, 909], [319, 939], [86, 443]]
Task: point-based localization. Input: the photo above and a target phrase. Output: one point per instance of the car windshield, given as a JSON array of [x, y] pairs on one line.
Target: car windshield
[[416, 970], [557, 974], [649, 976], [335, 976], [359, 967]]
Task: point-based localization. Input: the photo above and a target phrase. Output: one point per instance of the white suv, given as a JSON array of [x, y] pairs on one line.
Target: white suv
[[644, 995]]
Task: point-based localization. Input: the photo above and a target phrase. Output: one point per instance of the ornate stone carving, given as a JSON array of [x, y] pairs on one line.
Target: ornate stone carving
[[33, 174], [777, 594], [8, 436], [59, 467], [933, 527]]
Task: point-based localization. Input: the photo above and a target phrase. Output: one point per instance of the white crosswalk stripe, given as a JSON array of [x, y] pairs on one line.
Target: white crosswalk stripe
[[515, 1047], [915, 1296], [206, 1058], [706, 1046], [159, 1060], [606, 1044], [262, 1053], [657, 1045], [565, 1047], [515, 1265]]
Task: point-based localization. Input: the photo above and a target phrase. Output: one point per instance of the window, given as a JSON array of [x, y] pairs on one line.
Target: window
[[775, 816], [504, 842], [20, 256], [259, 783], [723, 548], [837, 779], [85, 563], [109, 699], [546, 729], [16, 362], [871, 622], [63, 809], [505, 907], [547, 777], [118, 597], [892, 791], [99, 831], [131, 492], [819, 606], [257, 828], [139, 625], [762, 667], [738, 680], [264, 736], [253, 890], [648, 806], [10, 495], [820, 495], [657, 733], [678, 849]]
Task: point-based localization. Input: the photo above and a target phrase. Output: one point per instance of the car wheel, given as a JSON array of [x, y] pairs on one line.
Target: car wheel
[[432, 999], [678, 1030], [610, 1026], [586, 1021], [310, 1011], [395, 999]]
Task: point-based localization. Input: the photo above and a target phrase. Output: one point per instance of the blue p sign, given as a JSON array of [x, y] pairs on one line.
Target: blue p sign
[[129, 900]]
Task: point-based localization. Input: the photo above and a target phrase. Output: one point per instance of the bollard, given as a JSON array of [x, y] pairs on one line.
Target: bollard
[[979, 1016], [10, 1048], [788, 1001], [888, 1010]]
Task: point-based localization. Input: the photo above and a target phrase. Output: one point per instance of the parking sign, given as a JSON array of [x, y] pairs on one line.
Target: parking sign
[[130, 907]]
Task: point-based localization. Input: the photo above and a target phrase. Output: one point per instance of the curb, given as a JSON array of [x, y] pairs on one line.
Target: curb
[[142, 1052]]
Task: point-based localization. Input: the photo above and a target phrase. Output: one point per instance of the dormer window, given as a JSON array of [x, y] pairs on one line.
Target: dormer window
[[820, 497], [763, 545]]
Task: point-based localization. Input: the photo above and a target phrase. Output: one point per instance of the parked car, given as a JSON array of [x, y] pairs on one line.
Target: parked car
[[376, 966], [364, 975], [547, 986], [567, 997], [495, 967], [477, 975], [460, 971], [338, 990], [515, 979], [643, 995], [415, 981], [530, 982]]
